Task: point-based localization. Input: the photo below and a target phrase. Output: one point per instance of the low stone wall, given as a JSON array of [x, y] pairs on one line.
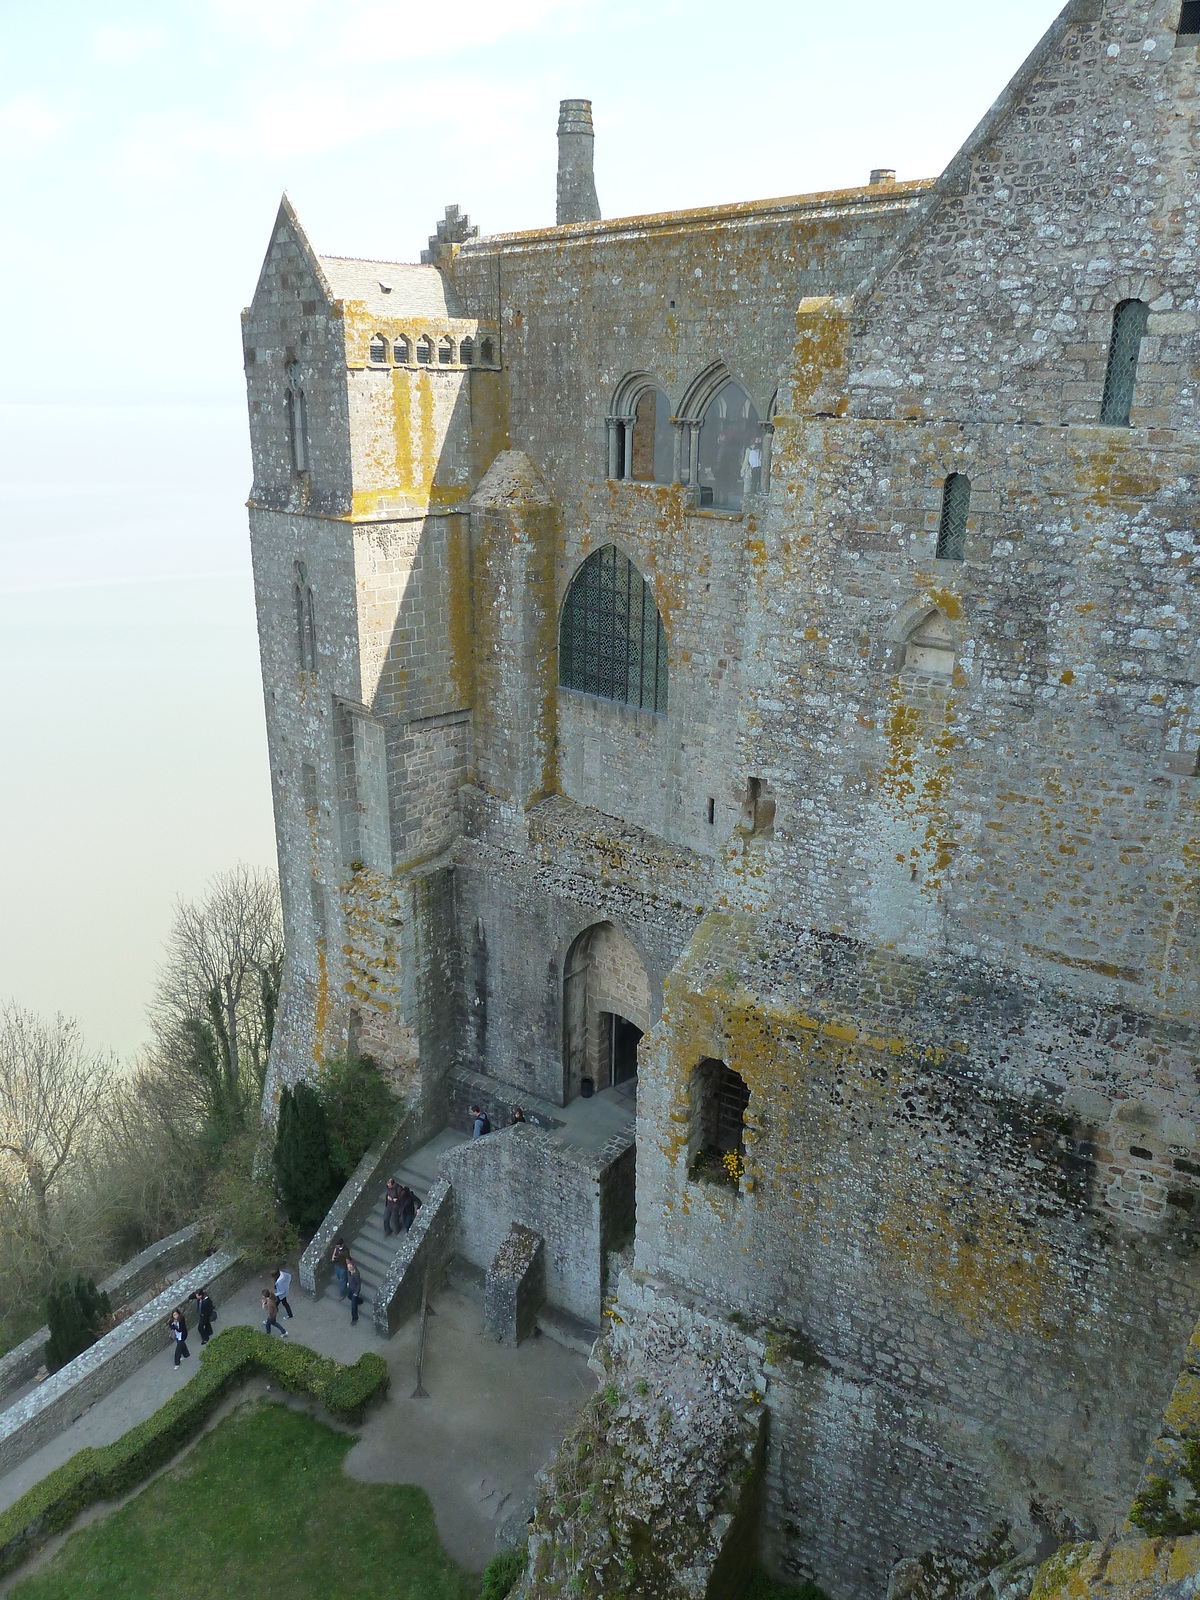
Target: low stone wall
[[24, 1360], [428, 1246], [67, 1393], [356, 1201], [521, 1175], [515, 1286]]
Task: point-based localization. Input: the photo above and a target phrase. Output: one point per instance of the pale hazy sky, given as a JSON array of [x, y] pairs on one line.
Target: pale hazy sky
[[143, 149]]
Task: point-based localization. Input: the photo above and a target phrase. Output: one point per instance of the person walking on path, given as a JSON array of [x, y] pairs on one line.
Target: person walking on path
[[205, 1315], [353, 1289], [271, 1314], [178, 1329], [481, 1124], [391, 1207], [339, 1258], [409, 1206], [283, 1282]]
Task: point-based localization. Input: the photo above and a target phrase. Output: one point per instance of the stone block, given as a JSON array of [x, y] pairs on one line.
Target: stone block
[[515, 1286]]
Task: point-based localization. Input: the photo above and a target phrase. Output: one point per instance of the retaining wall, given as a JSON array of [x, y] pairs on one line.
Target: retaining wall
[[357, 1199], [428, 1246]]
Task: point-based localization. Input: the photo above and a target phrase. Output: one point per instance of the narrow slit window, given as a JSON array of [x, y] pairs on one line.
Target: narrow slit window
[[298, 431], [487, 353], [1128, 331], [466, 351], [1189, 20], [306, 620], [712, 810], [379, 348], [611, 641], [952, 530]]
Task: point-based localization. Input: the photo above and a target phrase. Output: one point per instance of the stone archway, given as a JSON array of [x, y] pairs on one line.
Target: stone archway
[[606, 1009]]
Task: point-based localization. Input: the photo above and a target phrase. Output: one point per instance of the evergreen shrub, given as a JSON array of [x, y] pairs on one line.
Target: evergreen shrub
[[501, 1574], [73, 1314], [107, 1472], [359, 1110], [303, 1170]]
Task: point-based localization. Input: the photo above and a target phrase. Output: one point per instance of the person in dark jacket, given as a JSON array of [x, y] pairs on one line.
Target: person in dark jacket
[[481, 1123], [409, 1206], [339, 1258], [205, 1313], [353, 1288], [178, 1329], [391, 1207]]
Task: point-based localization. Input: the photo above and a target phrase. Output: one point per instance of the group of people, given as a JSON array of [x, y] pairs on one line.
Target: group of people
[[206, 1315], [481, 1123], [400, 1207]]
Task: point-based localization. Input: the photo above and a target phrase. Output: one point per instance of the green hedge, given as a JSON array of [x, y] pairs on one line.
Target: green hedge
[[113, 1469]]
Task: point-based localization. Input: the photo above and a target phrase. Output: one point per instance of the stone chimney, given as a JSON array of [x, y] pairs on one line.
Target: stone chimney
[[576, 182]]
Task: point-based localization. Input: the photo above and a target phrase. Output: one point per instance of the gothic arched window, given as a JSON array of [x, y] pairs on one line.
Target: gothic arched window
[[306, 620], [1128, 330], [952, 530], [731, 442], [611, 641]]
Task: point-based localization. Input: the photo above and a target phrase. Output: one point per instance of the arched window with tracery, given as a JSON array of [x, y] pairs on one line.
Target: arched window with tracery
[[306, 620], [611, 641], [731, 445]]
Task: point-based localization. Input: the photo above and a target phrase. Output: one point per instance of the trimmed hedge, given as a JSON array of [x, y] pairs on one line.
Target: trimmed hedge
[[107, 1472]]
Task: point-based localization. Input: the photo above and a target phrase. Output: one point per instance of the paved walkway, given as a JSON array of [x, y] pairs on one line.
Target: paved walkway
[[493, 1415]]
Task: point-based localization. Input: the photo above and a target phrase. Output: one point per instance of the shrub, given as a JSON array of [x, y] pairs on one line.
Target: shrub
[[303, 1171], [73, 1314], [359, 1110], [501, 1574], [112, 1470]]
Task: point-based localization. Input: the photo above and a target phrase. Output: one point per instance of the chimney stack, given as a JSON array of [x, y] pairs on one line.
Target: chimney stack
[[576, 182]]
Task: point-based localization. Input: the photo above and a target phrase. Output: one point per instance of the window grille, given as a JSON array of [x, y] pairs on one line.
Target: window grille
[[732, 1099], [611, 640], [297, 416], [466, 351], [1189, 19], [402, 352], [424, 352], [952, 530], [1128, 330], [306, 620], [445, 352], [378, 349]]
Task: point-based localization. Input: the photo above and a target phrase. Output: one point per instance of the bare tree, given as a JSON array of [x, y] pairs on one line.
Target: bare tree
[[214, 1010], [51, 1087]]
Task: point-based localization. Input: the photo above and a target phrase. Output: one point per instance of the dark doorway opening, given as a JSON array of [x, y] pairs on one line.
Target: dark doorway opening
[[619, 1045]]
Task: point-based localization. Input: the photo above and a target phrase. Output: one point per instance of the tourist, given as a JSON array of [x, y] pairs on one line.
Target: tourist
[[283, 1282], [339, 1256], [353, 1288], [391, 1207], [270, 1305], [409, 1206], [480, 1123], [205, 1315], [518, 1115], [178, 1329]]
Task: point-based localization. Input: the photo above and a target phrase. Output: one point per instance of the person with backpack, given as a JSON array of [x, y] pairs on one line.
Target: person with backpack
[[205, 1315], [481, 1123], [339, 1258], [270, 1305], [353, 1289], [178, 1329], [283, 1282]]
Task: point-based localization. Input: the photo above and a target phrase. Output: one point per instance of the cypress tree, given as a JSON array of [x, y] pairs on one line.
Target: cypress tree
[[303, 1170], [73, 1312]]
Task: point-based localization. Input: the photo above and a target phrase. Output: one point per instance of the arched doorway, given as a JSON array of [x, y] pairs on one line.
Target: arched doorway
[[606, 1010]]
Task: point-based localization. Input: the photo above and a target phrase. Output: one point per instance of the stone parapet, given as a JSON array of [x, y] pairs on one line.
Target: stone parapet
[[421, 1260], [26, 1426]]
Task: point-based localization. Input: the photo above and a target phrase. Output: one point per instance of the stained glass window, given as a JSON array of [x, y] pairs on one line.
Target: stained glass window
[[611, 641]]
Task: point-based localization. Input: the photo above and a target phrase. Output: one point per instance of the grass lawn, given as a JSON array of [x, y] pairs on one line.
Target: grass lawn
[[259, 1506]]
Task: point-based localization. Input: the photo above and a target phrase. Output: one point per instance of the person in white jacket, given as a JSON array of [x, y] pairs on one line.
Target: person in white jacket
[[283, 1282]]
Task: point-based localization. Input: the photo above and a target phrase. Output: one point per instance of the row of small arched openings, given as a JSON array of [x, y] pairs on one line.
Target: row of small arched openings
[[426, 351]]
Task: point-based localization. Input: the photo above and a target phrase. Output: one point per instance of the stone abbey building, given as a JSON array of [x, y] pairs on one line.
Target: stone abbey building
[[755, 648]]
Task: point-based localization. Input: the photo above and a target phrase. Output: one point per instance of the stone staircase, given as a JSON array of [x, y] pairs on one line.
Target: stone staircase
[[371, 1248]]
